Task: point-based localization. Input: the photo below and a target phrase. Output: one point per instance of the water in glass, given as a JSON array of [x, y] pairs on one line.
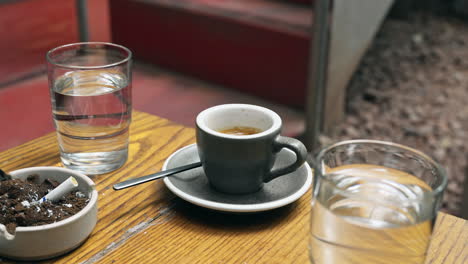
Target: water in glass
[[370, 214], [92, 114]]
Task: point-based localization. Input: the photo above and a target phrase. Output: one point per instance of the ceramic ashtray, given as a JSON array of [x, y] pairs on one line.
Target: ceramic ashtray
[[44, 228]]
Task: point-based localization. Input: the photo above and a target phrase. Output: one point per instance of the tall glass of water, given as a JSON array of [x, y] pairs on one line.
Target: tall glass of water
[[373, 202], [91, 95]]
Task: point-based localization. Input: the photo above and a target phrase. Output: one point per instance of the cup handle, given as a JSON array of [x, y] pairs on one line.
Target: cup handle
[[294, 145]]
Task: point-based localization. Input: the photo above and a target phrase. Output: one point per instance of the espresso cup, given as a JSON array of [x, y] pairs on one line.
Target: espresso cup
[[239, 164]]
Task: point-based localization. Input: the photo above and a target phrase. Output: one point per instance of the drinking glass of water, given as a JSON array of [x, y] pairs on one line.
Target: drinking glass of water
[[373, 202], [91, 95]]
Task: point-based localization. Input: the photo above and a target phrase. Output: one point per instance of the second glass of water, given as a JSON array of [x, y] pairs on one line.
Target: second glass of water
[[91, 95], [373, 202]]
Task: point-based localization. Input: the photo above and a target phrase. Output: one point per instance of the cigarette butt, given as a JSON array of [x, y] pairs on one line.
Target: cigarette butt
[[61, 190]]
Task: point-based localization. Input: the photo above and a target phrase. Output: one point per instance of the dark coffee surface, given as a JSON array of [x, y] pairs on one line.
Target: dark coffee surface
[[17, 208], [241, 130]]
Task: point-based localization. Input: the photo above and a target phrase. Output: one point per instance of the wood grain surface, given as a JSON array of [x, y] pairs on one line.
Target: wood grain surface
[[148, 224]]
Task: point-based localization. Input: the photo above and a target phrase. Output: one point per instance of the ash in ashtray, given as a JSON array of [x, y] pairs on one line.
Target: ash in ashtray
[[18, 207]]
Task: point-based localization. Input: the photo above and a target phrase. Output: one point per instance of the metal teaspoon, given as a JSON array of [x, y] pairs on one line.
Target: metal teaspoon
[[155, 176]]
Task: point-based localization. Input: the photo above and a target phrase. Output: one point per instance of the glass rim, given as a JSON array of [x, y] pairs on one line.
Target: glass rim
[[436, 191], [78, 44]]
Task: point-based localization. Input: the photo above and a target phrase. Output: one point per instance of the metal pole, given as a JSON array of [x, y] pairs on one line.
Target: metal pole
[[318, 66], [82, 15]]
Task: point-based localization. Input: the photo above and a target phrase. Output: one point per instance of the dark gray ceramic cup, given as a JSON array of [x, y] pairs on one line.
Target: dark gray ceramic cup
[[241, 164]]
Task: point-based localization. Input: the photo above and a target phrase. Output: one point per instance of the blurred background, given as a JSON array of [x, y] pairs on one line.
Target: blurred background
[[397, 70]]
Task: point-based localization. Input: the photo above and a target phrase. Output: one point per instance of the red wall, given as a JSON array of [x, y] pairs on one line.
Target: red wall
[[29, 28], [261, 59]]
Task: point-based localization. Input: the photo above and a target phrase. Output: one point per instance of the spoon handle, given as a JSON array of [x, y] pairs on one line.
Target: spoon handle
[[155, 176]]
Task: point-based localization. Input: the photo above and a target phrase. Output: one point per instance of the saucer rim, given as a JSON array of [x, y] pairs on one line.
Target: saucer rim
[[236, 208]]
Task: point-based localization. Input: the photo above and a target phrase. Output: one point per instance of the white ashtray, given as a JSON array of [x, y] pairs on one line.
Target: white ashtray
[[51, 240]]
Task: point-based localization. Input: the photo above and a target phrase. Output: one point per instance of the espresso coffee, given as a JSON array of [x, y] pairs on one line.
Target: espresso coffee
[[237, 145], [241, 130]]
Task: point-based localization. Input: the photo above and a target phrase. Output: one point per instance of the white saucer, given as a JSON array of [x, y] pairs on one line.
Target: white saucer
[[193, 186]]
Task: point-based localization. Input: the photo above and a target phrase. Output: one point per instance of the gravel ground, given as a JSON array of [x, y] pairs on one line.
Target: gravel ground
[[412, 88]]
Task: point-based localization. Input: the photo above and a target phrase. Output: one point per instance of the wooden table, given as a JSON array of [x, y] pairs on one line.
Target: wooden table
[[148, 224]]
